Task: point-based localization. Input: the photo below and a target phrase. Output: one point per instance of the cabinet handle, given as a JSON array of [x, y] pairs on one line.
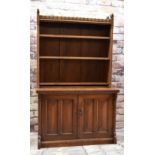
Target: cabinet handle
[[80, 112]]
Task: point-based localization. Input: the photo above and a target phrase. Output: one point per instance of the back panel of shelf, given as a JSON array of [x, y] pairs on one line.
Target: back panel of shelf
[[73, 71], [74, 47], [74, 29]]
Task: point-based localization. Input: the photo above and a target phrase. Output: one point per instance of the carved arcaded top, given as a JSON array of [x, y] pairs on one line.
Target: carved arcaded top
[[76, 19]]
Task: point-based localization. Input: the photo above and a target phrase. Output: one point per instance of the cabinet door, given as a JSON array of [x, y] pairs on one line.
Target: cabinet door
[[96, 116], [58, 117]]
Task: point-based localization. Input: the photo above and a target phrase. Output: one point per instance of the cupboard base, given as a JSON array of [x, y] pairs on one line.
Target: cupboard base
[[80, 117]]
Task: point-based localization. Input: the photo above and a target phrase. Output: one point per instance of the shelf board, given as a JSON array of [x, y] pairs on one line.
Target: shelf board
[[72, 58], [73, 36], [72, 83]]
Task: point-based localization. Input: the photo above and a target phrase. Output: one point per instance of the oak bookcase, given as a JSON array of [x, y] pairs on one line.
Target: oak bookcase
[[74, 70]]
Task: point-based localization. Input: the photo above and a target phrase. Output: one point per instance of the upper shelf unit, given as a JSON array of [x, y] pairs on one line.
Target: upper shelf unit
[[74, 51]]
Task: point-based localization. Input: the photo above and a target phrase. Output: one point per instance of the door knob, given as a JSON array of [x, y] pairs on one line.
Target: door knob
[[80, 112]]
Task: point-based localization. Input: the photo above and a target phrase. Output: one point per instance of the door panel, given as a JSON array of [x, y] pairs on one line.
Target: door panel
[[51, 117], [59, 117], [67, 117], [96, 118], [87, 116]]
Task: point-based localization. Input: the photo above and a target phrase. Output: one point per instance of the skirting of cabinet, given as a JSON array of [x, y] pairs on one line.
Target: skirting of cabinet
[[76, 142]]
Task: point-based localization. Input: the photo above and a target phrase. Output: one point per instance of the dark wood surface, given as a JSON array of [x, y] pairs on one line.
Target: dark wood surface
[[72, 58], [77, 105]]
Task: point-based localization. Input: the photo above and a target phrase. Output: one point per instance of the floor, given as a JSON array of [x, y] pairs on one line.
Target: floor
[[108, 149]]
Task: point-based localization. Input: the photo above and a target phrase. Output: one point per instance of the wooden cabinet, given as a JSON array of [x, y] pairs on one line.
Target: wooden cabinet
[[76, 118], [74, 63]]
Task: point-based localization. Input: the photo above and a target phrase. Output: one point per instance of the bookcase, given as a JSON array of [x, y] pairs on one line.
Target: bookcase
[[74, 67]]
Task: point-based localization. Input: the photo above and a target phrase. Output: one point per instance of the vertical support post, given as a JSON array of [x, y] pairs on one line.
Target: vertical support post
[[39, 102], [38, 29], [110, 51]]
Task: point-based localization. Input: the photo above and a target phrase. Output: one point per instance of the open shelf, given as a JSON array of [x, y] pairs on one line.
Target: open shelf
[[56, 28], [72, 36], [74, 47], [73, 71], [72, 58]]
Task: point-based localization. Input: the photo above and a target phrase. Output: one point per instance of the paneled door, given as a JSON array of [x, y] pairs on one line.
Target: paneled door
[[96, 116], [58, 117]]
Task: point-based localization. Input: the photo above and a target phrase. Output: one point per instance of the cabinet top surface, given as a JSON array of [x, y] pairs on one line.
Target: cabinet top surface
[[76, 89]]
